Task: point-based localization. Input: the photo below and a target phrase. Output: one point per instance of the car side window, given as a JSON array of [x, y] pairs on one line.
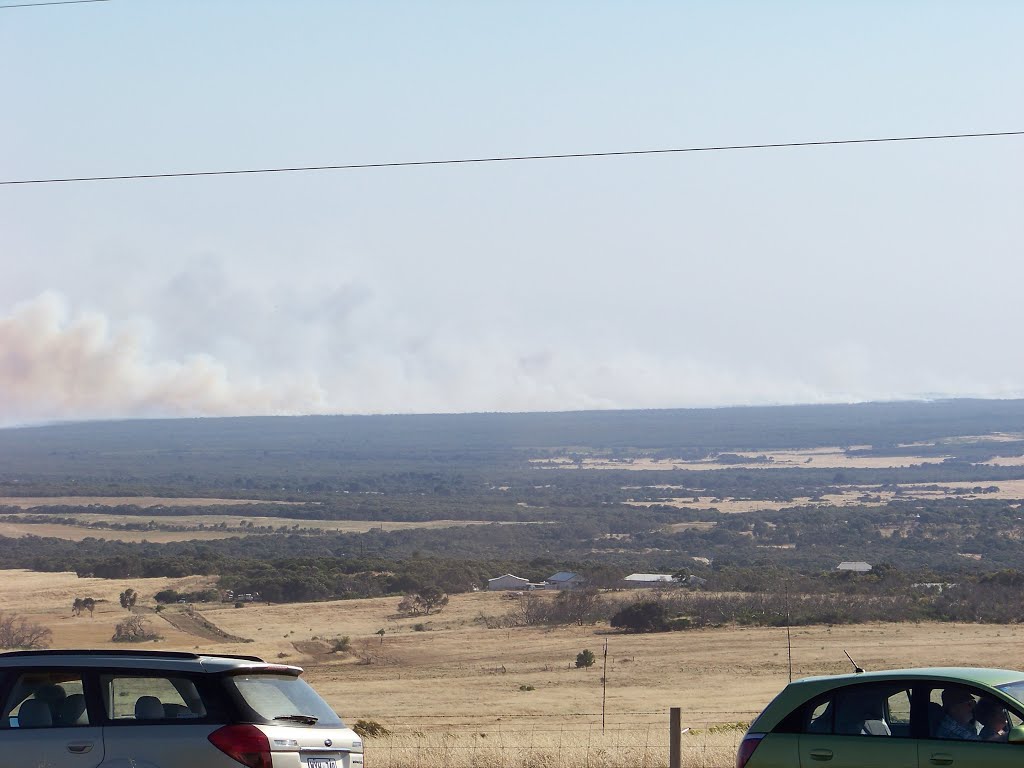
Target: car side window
[[962, 713], [45, 699], [128, 699], [861, 710]]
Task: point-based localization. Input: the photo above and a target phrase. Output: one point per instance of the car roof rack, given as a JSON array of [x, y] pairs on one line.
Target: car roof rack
[[126, 653]]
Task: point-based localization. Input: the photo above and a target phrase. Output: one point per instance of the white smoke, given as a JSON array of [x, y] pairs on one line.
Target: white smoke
[[56, 366]]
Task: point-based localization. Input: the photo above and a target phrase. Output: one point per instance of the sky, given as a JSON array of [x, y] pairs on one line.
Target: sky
[[795, 275]]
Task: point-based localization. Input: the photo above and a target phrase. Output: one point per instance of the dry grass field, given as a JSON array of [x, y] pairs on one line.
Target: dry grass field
[[868, 496], [453, 687], [81, 530], [28, 502], [816, 458]]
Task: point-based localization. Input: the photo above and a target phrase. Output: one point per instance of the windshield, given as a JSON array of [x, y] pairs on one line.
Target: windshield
[[283, 697]]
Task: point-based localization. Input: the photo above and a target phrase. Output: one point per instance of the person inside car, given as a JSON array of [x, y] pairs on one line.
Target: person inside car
[[958, 715], [993, 718]]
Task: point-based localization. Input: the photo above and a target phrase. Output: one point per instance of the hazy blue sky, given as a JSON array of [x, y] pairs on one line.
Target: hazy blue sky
[[772, 276]]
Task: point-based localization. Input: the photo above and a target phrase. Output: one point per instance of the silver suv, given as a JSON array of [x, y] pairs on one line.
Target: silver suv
[[164, 709]]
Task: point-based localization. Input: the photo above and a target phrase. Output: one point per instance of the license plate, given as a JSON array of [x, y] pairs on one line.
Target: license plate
[[322, 762]]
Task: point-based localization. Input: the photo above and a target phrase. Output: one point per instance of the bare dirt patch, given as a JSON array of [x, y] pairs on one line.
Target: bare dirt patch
[[195, 623]]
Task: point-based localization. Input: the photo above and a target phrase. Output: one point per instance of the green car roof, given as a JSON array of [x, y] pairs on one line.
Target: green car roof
[[979, 675], [799, 691]]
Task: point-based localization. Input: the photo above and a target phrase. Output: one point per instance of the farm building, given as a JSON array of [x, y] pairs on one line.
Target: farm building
[[564, 580], [508, 581], [649, 580]]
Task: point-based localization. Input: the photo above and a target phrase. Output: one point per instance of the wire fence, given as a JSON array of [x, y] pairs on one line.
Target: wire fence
[[557, 740]]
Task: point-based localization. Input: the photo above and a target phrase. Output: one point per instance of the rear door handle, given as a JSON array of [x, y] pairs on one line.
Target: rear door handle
[[821, 754], [941, 758], [80, 747]]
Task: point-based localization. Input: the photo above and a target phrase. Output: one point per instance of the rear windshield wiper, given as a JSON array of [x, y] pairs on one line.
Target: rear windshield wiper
[[306, 719]]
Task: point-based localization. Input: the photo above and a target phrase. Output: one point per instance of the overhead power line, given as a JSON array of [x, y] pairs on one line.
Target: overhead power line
[[53, 2], [505, 158]]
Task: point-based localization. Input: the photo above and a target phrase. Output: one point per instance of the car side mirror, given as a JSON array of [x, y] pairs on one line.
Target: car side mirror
[[1016, 735]]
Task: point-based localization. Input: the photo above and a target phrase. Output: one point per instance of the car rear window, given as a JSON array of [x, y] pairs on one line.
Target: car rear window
[[283, 697]]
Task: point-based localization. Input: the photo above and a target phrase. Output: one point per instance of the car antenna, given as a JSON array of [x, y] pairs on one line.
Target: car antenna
[[857, 670]]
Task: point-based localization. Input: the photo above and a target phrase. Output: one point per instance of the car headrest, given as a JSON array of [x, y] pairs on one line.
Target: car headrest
[[149, 708], [71, 711], [34, 713]]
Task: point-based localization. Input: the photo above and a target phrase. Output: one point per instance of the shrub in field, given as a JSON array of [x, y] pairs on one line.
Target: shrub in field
[[424, 601], [134, 629], [341, 644], [18, 632], [642, 616], [370, 729]]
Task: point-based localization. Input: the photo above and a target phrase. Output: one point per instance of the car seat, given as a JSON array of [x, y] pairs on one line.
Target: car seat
[[861, 713], [53, 695]]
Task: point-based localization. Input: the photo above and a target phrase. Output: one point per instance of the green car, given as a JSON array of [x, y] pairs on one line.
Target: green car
[[902, 718]]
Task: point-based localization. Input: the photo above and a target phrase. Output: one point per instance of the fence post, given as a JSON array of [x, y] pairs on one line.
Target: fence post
[[675, 757]]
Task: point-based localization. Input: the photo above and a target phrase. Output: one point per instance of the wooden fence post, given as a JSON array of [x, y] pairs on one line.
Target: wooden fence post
[[675, 757]]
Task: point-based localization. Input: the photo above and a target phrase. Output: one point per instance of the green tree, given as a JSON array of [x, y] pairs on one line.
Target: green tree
[[429, 598], [128, 598], [585, 658]]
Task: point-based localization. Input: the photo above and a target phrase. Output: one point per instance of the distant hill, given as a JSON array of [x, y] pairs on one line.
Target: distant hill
[[392, 436]]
